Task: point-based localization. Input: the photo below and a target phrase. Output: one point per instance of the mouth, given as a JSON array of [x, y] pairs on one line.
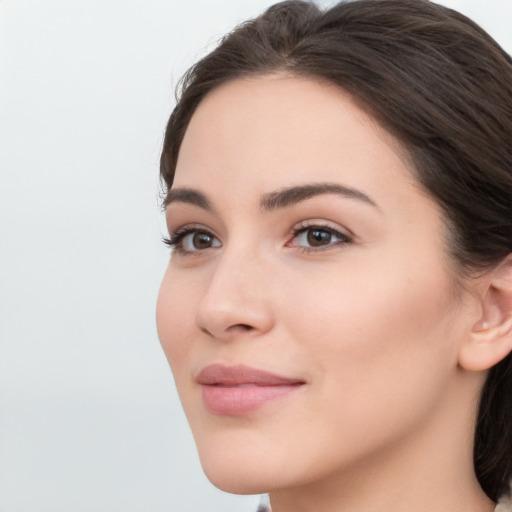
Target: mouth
[[239, 390]]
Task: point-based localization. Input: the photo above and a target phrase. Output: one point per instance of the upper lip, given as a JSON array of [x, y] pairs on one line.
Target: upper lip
[[222, 375]]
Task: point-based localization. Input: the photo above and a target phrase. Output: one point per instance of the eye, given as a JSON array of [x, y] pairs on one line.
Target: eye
[[192, 240], [317, 238], [198, 240]]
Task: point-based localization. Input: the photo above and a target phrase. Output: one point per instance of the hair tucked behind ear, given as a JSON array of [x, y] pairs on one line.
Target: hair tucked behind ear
[[493, 437], [443, 87]]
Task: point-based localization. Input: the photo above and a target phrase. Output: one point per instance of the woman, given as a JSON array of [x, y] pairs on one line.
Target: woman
[[337, 311]]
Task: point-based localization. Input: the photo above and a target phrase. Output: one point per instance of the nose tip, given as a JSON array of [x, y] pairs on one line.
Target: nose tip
[[234, 303], [228, 319]]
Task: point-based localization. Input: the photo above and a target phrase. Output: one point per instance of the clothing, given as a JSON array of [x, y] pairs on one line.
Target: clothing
[[504, 504], [264, 505]]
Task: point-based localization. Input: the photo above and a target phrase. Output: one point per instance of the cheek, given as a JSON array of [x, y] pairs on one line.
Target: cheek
[[378, 348], [371, 302], [376, 337], [175, 315]]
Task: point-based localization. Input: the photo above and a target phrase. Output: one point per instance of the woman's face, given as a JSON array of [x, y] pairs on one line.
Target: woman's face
[[308, 310]]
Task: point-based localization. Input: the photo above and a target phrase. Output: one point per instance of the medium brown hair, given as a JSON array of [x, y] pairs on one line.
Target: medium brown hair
[[443, 87]]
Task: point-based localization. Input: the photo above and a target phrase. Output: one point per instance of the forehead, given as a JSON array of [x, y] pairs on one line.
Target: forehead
[[273, 131]]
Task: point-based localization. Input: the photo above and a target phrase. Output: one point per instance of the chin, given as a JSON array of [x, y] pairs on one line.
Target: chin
[[237, 454], [250, 478], [240, 464]]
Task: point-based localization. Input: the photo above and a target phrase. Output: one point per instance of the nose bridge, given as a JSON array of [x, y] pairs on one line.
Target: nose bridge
[[236, 293]]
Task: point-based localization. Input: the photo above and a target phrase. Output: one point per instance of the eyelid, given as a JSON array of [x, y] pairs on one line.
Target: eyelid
[[177, 236], [322, 225]]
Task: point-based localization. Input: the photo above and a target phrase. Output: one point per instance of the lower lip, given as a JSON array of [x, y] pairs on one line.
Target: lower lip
[[239, 400]]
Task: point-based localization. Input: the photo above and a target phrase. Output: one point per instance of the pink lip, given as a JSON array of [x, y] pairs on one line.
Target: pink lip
[[237, 390]]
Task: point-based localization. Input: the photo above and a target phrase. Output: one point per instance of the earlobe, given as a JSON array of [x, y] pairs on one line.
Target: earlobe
[[490, 339]]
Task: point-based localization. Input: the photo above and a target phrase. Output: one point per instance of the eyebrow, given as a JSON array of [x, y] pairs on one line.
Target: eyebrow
[[282, 198], [292, 195], [188, 196]]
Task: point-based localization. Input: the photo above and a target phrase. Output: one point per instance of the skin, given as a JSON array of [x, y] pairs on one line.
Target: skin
[[369, 321]]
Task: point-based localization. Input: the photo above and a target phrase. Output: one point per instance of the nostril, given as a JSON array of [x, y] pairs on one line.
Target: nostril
[[244, 327], [233, 328]]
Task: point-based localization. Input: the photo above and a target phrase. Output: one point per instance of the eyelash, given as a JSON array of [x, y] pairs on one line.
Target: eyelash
[[304, 227], [175, 240]]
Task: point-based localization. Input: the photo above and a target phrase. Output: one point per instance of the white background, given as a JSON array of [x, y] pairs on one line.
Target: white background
[[89, 419]]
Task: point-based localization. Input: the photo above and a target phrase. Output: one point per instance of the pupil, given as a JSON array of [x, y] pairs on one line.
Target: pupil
[[317, 237], [202, 241]]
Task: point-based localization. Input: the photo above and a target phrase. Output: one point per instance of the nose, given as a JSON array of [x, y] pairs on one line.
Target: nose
[[237, 300]]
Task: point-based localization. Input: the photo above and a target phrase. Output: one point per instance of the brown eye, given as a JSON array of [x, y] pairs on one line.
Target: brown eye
[[202, 240], [195, 241], [318, 237]]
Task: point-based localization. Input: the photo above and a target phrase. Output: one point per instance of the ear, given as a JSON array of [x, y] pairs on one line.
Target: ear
[[490, 339]]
